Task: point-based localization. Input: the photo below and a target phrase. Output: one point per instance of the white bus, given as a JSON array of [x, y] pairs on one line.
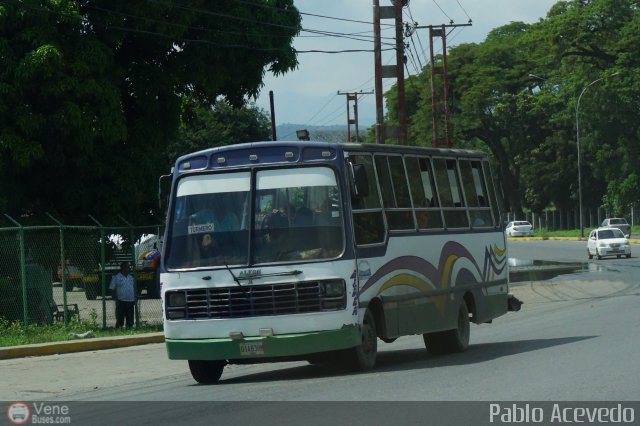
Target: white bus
[[307, 250]]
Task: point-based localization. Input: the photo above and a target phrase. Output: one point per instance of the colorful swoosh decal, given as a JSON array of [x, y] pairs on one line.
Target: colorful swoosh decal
[[494, 264]]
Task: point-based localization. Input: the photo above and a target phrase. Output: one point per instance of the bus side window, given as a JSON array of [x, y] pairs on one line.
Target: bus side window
[[448, 182], [367, 211], [494, 201], [475, 193], [395, 192], [423, 193]]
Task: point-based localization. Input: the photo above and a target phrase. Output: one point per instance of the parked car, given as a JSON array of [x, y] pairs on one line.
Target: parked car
[[607, 241], [72, 274], [519, 228], [618, 222]]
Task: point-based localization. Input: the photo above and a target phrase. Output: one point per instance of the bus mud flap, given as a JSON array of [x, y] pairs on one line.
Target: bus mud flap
[[513, 303]]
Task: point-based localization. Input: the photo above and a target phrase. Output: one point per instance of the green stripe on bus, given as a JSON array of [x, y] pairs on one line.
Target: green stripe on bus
[[275, 346]]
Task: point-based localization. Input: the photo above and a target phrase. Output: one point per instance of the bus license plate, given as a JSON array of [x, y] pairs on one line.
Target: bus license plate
[[251, 348]]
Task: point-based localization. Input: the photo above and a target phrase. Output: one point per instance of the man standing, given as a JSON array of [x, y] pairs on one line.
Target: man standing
[[124, 294]]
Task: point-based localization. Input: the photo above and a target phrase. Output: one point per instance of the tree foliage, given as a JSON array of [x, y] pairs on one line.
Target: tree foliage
[[516, 94], [91, 92], [205, 127]]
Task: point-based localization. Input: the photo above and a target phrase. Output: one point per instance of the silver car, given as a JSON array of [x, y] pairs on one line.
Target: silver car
[[607, 242], [519, 228], [618, 222]]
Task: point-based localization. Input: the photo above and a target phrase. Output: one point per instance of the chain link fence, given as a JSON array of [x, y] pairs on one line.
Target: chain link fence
[[554, 220], [52, 273]]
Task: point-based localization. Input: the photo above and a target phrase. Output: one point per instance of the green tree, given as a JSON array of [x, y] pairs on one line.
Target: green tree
[[591, 40], [515, 95], [92, 90], [490, 105], [205, 127]]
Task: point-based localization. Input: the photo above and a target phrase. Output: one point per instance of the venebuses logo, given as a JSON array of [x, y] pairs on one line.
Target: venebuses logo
[[18, 413]]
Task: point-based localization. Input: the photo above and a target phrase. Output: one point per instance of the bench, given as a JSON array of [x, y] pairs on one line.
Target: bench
[[57, 311]]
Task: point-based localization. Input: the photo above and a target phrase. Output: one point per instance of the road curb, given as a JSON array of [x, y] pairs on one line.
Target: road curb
[[69, 346]]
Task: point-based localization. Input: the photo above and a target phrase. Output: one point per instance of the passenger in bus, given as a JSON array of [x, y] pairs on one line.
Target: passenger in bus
[[303, 217], [219, 213], [212, 226], [323, 215], [275, 228]]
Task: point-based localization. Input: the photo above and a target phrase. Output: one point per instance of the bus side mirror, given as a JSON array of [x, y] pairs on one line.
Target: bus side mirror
[[359, 180]]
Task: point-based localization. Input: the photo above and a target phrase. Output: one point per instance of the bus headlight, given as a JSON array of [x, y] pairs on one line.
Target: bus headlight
[[334, 288], [333, 295], [176, 299]]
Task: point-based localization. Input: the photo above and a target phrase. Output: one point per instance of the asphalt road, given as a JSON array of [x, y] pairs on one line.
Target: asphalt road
[[574, 340]]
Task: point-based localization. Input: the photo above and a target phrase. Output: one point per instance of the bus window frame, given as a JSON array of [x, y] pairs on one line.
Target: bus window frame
[[483, 187], [496, 203], [455, 209], [395, 209], [434, 189], [253, 171], [380, 209]]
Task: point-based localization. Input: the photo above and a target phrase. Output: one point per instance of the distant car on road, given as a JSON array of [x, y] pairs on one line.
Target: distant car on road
[[618, 222], [519, 228], [607, 242]]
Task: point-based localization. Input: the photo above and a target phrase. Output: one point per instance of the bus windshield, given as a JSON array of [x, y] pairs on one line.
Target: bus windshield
[[296, 216]]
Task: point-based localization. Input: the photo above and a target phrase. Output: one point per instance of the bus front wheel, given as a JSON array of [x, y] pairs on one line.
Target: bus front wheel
[[205, 371], [363, 356], [450, 341]]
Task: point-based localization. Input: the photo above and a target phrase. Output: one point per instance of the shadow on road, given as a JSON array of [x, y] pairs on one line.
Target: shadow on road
[[410, 359]]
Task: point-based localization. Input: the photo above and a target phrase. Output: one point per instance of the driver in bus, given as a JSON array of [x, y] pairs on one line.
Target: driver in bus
[[212, 223], [275, 226]]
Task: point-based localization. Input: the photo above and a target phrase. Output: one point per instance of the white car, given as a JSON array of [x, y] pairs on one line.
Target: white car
[[519, 228], [607, 242]]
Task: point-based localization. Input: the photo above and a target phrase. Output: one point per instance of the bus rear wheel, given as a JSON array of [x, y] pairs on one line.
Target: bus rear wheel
[[363, 356], [206, 371], [450, 341]]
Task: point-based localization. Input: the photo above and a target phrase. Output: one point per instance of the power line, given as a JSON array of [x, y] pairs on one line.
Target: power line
[[443, 12], [265, 6], [465, 12], [343, 35], [422, 49], [333, 96], [192, 40]]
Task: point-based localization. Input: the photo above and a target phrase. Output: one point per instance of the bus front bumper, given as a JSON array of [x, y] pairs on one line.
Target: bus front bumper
[[286, 345]]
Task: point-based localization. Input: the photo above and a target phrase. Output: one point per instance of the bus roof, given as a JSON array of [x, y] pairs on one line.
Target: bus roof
[[264, 152]]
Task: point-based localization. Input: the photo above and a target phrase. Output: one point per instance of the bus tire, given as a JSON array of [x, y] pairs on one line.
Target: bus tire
[[450, 341], [363, 356], [206, 371]]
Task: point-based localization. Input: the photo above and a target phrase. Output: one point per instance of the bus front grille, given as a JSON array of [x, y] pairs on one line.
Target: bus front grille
[[257, 300]]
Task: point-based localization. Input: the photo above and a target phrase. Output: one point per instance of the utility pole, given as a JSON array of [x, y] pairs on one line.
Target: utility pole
[[440, 99], [273, 117], [402, 112], [353, 97], [390, 71], [377, 58]]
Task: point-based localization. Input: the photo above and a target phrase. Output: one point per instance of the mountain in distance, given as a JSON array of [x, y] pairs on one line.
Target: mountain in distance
[[333, 133]]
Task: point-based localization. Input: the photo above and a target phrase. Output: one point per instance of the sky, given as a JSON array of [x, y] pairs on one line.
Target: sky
[[308, 95]]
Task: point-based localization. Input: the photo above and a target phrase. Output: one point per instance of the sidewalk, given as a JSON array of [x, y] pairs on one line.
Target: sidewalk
[[79, 345]]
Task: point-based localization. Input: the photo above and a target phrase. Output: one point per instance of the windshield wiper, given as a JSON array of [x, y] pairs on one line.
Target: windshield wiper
[[273, 274], [236, 280]]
